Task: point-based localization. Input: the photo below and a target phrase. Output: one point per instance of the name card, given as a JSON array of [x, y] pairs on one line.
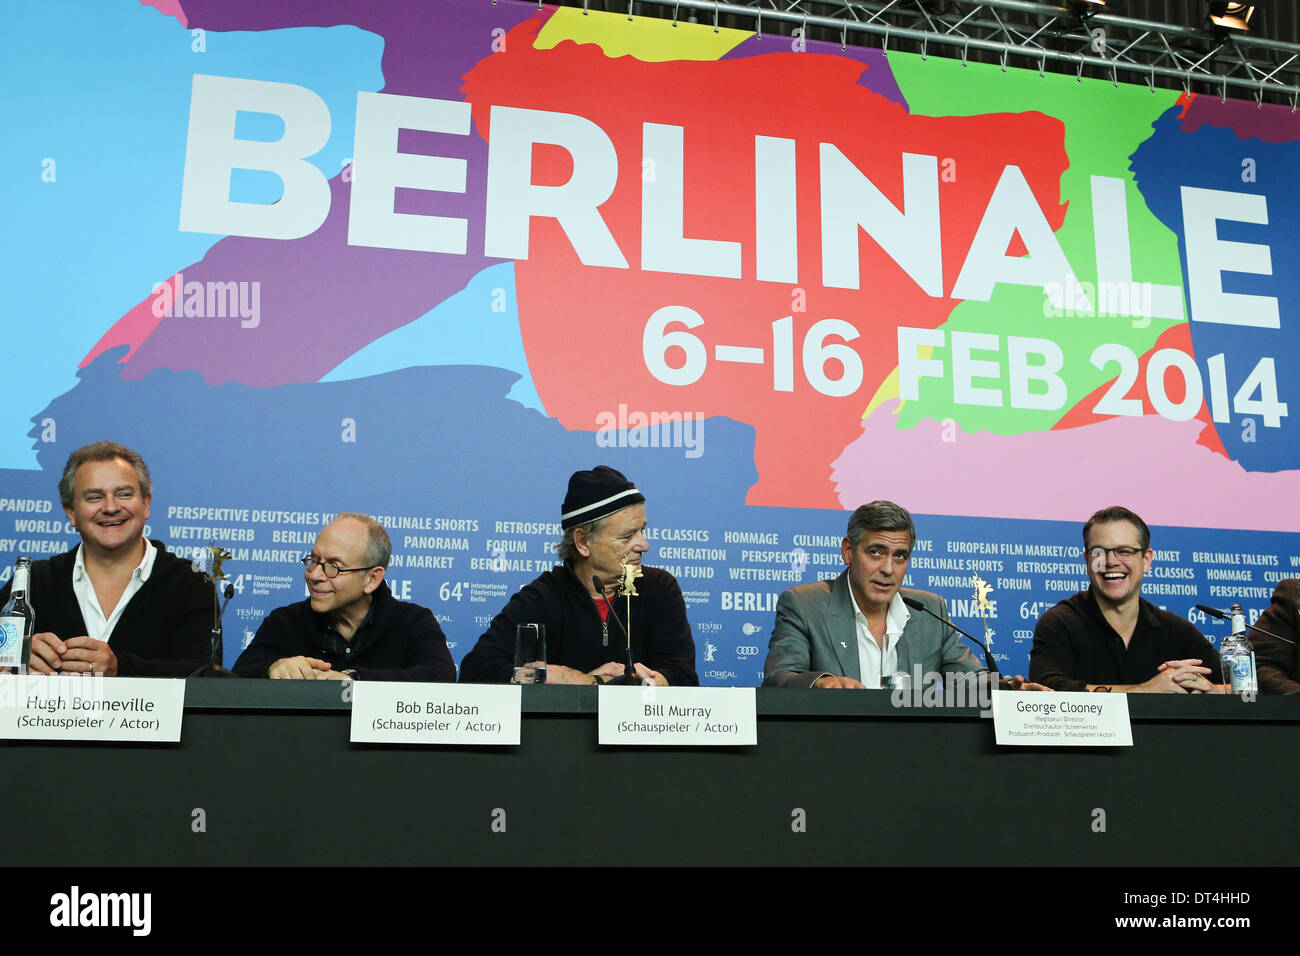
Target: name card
[[678, 716], [37, 707], [385, 712], [1023, 718]]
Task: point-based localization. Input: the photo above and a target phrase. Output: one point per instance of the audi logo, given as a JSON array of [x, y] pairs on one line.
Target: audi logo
[[747, 650]]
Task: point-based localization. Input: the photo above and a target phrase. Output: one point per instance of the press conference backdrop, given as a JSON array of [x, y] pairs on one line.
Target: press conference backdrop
[[426, 259]]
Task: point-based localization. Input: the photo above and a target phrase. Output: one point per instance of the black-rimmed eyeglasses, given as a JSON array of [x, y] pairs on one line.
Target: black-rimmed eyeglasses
[[310, 561], [1123, 552]]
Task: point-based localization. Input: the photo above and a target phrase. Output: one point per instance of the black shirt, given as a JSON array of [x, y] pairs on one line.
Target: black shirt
[[1074, 645], [397, 641]]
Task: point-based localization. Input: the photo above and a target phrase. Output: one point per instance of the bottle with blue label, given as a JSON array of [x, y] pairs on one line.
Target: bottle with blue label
[[1238, 656], [17, 621]]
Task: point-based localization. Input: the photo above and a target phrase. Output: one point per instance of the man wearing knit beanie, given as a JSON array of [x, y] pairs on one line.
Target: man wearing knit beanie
[[588, 614]]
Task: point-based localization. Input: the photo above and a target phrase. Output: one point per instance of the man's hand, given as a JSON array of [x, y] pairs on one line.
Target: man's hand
[[332, 675], [1195, 680], [608, 670], [559, 674], [47, 654], [838, 683], [1019, 683], [1195, 683], [646, 673], [297, 668], [85, 655], [1178, 677]]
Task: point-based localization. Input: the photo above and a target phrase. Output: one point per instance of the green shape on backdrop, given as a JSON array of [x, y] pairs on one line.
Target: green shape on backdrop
[[1104, 124]]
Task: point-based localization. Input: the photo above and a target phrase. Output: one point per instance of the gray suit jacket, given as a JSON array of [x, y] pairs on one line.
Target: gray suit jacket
[[815, 634]]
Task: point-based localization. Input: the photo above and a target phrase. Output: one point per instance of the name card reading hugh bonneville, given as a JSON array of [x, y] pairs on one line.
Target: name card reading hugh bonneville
[[678, 716], [409, 713], [1062, 719], [37, 707]]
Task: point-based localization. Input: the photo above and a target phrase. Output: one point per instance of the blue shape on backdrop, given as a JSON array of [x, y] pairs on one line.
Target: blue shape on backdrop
[[477, 326], [1212, 158], [473, 462], [124, 166]]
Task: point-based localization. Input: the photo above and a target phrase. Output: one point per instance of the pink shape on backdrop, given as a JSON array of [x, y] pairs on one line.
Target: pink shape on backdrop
[[1149, 464], [171, 8], [131, 329]]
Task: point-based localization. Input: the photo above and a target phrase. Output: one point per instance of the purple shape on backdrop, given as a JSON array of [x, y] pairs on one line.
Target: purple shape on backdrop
[[321, 299], [879, 78], [1272, 123]]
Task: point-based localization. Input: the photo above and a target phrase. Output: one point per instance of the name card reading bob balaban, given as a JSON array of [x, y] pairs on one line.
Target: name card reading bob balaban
[[678, 716], [1024, 718], [38, 707], [411, 713]]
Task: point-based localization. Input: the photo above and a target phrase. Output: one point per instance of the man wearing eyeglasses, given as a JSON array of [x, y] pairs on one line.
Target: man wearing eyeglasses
[[350, 627], [1108, 638]]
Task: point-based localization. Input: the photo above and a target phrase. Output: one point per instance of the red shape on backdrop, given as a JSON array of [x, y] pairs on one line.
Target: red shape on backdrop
[[1175, 337], [582, 327]]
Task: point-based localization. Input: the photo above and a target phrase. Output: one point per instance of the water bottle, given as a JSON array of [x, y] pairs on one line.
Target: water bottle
[[1238, 656], [17, 621]]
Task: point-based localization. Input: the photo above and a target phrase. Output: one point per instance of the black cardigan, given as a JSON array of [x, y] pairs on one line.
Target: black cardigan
[[164, 630]]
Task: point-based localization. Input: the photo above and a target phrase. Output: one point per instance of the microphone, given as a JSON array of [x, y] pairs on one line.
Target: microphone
[[1216, 613], [629, 671], [214, 668], [916, 605]]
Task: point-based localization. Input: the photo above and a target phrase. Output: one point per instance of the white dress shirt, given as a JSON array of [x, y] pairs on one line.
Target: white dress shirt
[[98, 624], [872, 660]]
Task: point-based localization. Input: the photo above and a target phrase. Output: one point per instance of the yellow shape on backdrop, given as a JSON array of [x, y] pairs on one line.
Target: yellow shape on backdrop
[[647, 39], [889, 387]]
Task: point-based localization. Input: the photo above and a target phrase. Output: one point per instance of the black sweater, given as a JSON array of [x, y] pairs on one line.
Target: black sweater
[[661, 635], [398, 641]]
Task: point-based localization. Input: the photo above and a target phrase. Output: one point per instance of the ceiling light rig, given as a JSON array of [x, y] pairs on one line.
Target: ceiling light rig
[[1230, 16], [1226, 56]]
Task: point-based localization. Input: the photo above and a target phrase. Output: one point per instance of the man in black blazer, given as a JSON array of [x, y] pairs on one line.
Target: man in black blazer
[[118, 603]]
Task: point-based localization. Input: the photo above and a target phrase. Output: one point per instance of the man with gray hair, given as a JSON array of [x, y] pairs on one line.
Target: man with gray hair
[[856, 631], [118, 603], [350, 627]]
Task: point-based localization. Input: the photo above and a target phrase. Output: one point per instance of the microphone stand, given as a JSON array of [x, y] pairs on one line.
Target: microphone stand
[[629, 677], [1215, 612], [989, 664], [214, 668]]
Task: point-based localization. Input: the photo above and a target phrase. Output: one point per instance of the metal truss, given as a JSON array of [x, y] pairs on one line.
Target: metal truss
[[1056, 37]]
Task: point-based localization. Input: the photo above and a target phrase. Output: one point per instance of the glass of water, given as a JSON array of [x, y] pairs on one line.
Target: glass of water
[[899, 680], [530, 654]]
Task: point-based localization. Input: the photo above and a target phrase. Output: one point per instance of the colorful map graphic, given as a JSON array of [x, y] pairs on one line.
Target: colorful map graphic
[[883, 276]]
